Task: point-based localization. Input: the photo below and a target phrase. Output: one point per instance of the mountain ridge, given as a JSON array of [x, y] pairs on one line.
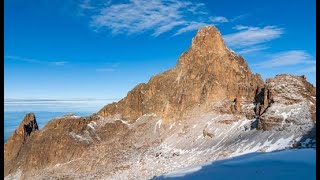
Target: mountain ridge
[[210, 106]]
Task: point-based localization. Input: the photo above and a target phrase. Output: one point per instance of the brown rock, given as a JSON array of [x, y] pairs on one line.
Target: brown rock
[[266, 98], [237, 104], [31, 149], [206, 133], [263, 99], [12, 147], [208, 72], [285, 90]]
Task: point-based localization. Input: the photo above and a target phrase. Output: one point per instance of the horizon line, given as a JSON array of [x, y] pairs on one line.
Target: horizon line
[[58, 99]]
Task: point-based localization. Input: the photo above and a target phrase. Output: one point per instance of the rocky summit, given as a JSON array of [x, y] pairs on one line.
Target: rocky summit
[[207, 73], [210, 106]]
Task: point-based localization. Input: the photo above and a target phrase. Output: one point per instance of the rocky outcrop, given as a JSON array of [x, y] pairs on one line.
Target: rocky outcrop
[[289, 95], [236, 105], [263, 99], [27, 128], [206, 133], [208, 72], [30, 149]]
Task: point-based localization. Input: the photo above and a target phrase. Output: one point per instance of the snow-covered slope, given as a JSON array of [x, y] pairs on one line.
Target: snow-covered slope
[[285, 165]]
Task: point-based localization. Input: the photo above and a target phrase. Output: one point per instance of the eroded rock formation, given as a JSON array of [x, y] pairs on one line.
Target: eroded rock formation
[[27, 128], [286, 91], [208, 72]]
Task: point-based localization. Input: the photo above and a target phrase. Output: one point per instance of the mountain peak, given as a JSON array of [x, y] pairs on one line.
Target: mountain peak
[[208, 72], [19, 138], [207, 30], [208, 39], [27, 126]]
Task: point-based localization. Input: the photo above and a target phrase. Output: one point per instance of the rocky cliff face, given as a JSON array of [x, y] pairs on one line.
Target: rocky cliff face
[[209, 107], [18, 139], [208, 72], [292, 96]]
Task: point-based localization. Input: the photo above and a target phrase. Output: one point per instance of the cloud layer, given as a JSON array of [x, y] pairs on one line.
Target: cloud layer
[[310, 69], [287, 58], [247, 37], [152, 16], [37, 61]]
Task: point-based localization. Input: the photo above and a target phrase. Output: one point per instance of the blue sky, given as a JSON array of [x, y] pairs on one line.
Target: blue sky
[[65, 49]]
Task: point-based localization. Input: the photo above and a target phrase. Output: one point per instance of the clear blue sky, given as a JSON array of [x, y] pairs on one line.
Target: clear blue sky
[[102, 49]]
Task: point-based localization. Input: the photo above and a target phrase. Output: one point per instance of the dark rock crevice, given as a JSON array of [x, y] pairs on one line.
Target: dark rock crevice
[[262, 101]]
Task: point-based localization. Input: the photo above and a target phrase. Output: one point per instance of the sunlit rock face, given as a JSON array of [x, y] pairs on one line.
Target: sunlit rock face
[[207, 73]]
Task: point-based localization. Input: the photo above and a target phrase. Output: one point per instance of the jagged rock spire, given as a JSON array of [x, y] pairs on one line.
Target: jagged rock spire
[[28, 125], [208, 39], [16, 141]]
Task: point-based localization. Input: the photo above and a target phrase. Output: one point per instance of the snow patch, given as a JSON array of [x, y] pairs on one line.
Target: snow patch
[[92, 125], [267, 146], [291, 164], [86, 138], [57, 165], [124, 122], [14, 176], [182, 172], [172, 125], [157, 126]]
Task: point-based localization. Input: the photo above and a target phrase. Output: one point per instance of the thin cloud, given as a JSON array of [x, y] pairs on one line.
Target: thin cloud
[[56, 105], [249, 36], [29, 60], [195, 9], [241, 27], [167, 27], [190, 27], [60, 63], [36, 61], [252, 49], [154, 17], [219, 19], [242, 16], [287, 58], [86, 4], [311, 69], [31, 100]]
